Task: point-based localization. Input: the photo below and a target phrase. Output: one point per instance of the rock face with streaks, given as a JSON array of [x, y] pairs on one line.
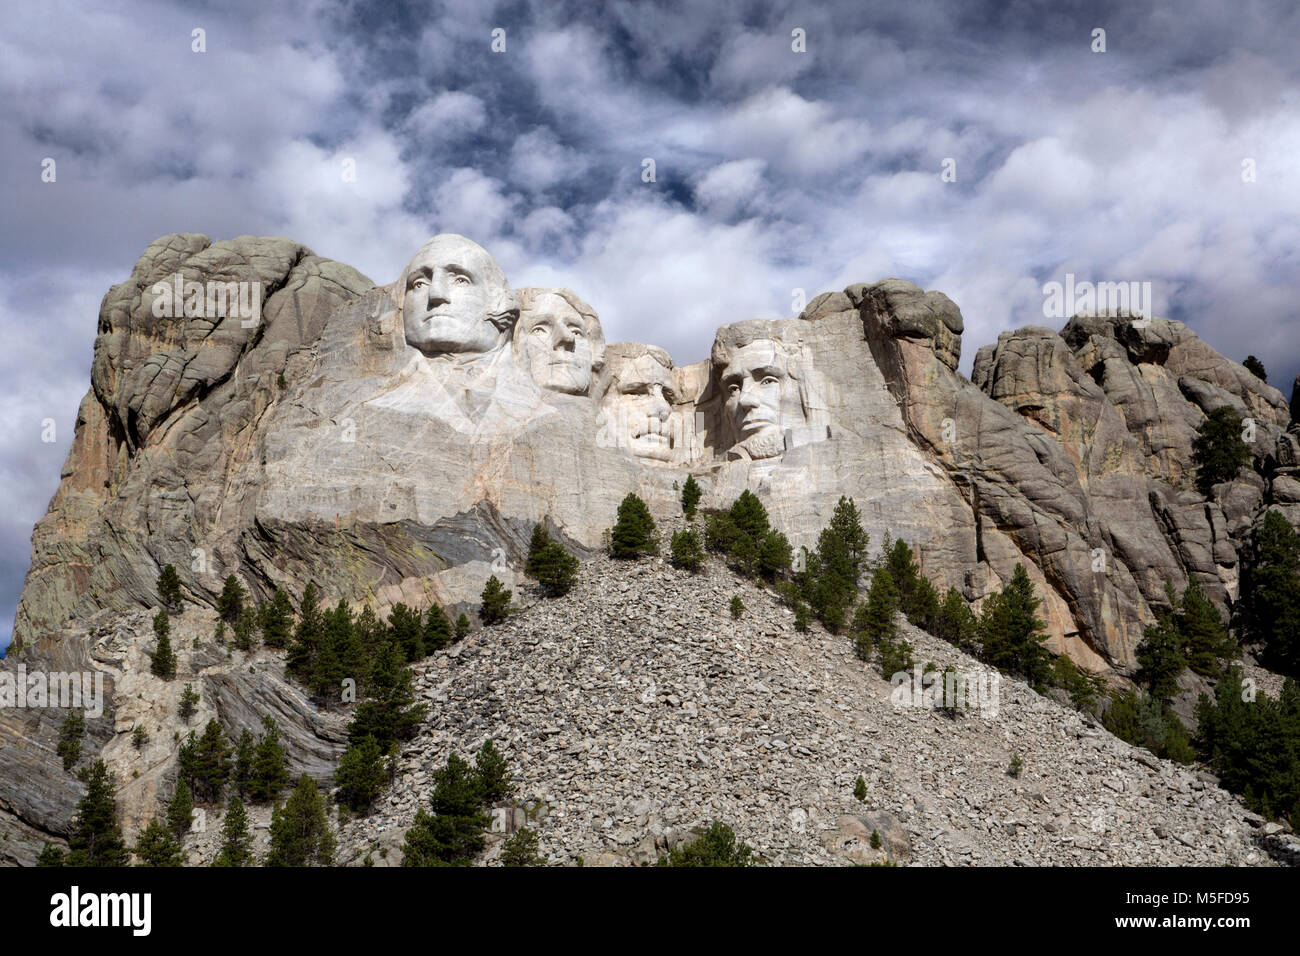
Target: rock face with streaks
[[259, 411]]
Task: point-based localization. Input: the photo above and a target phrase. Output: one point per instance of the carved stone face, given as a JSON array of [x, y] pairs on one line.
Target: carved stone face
[[556, 348], [761, 398], [641, 408], [450, 287]]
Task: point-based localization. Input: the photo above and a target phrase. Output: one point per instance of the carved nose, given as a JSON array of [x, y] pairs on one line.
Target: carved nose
[[564, 338]]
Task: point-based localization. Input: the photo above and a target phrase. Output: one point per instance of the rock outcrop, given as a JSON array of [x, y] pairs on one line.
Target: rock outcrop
[[259, 411]]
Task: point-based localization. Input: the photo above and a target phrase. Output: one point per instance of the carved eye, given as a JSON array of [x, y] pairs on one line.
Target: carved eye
[[575, 331], [419, 282], [540, 329], [771, 380], [734, 388], [460, 279]]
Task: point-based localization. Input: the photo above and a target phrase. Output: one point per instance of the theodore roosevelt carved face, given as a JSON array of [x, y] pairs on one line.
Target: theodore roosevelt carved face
[[637, 407], [455, 299]]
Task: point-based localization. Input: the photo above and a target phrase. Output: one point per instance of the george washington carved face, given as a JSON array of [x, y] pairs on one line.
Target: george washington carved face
[[455, 299]]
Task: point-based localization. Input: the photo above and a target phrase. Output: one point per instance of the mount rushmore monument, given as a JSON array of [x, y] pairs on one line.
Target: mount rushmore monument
[[399, 442]]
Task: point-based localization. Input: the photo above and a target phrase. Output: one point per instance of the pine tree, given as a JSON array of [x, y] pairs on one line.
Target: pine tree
[[392, 714], [241, 773], [157, 846], [189, 702], [361, 775], [860, 790], [276, 620], [634, 532], [231, 603], [690, 497], [308, 635], [270, 765], [139, 737], [556, 570], [831, 578], [496, 602], [1012, 633], [873, 624], [1205, 637], [71, 732], [245, 628], [453, 833], [774, 555], [169, 589], [407, 630], [717, 846], [955, 622], [685, 551], [493, 774], [1218, 449], [462, 628], [236, 841], [521, 850], [749, 516], [737, 607], [906, 574], [52, 855], [206, 763], [181, 808], [96, 838], [537, 544], [802, 618], [437, 629], [1256, 368], [164, 660], [1270, 592], [300, 831], [1160, 658]]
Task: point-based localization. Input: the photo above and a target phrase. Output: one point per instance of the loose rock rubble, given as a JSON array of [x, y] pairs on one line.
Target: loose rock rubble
[[635, 709]]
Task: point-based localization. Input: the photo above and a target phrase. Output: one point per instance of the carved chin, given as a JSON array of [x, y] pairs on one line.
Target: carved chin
[[656, 447]]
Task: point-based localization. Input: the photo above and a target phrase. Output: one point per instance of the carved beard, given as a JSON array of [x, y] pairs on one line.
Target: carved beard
[[769, 443]]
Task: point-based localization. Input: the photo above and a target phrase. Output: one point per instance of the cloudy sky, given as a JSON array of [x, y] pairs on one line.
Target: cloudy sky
[[775, 169]]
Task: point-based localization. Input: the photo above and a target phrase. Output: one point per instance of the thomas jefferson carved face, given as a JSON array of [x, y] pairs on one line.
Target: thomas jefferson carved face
[[556, 343], [455, 298], [762, 398], [638, 408]]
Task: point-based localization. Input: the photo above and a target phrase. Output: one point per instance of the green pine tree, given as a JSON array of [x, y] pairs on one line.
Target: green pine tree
[[308, 635], [1013, 634], [496, 602], [96, 837], [462, 628], [189, 702], [717, 846], [169, 589], [521, 850], [437, 629], [690, 497], [276, 620], [1270, 592], [407, 630], [269, 773], [737, 607], [181, 808], [685, 551], [1218, 450], [300, 831], [361, 776], [634, 532], [1256, 368], [71, 732], [164, 660], [236, 841], [157, 846], [493, 774], [873, 623], [231, 603], [453, 833]]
